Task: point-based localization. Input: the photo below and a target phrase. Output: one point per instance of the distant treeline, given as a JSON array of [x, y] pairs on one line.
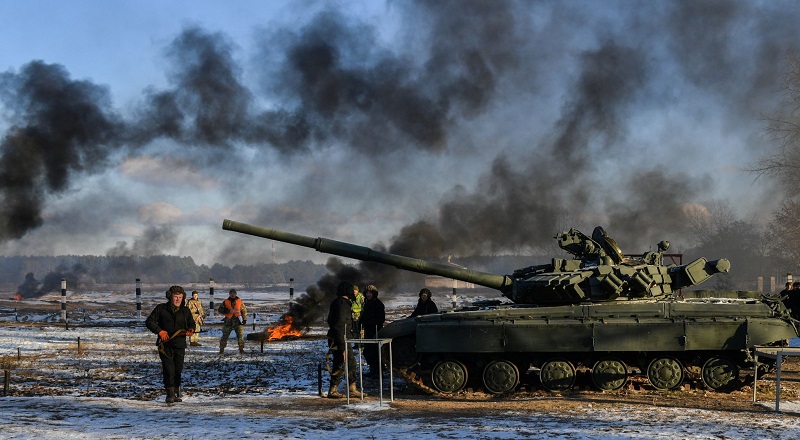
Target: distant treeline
[[41, 272]]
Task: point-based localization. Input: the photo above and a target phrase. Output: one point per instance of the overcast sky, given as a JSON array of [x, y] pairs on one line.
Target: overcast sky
[[430, 127]]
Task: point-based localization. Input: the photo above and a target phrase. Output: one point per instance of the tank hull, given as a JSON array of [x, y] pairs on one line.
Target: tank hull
[[630, 336]]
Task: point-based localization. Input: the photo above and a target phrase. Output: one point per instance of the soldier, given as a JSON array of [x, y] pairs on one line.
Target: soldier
[[340, 323], [792, 299], [235, 318], [196, 307], [172, 322], [425, 306], [372, 318], [358, 305]]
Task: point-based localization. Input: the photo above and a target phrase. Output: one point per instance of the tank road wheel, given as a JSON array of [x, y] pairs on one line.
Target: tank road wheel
[[557, 375], [665, 373], [500, 377], [449, 376], [404, 352], [609, 374], [719, 373]]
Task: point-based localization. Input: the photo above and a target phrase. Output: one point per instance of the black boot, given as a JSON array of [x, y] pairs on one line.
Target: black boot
[[178, 392], [170, 395]]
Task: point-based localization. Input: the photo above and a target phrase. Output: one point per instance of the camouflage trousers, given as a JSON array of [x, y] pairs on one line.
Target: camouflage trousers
[[228, 326]]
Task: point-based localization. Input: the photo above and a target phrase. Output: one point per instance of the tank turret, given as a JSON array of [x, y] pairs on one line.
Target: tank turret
[[598, 271]]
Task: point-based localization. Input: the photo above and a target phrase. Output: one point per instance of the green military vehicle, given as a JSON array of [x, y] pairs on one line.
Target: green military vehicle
[[601, 313]]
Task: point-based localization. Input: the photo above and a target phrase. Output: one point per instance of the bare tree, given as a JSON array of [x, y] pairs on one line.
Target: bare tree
[[784, 127], [784, 232], [706, 221]]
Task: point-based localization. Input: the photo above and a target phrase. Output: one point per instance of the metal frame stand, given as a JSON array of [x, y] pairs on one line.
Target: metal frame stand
[[776, 353], [380, 342]]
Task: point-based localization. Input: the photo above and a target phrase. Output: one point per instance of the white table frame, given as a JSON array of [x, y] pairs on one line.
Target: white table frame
[[777, 353], [380, 342]]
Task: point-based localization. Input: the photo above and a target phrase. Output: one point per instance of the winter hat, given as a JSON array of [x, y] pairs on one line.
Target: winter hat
[[345, 289], [175, 289]]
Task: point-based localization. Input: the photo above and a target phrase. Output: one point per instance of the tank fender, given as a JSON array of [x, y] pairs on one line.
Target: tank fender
[[396, 329]]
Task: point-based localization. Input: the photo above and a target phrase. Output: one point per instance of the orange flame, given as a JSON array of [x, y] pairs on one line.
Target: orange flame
[[17, 297], [284, 328]]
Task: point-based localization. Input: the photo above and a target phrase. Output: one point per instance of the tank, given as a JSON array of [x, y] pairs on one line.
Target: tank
[[601, 315]]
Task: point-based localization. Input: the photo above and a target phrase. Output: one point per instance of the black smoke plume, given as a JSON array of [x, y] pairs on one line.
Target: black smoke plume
[[77, 278]]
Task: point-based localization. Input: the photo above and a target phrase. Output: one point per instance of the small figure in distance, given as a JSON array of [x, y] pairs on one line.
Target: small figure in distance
[[235, 319], [172, 322], [196, 307], [425, 305], [792, 299]]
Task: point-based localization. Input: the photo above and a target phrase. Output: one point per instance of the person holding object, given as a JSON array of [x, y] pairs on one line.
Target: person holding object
[[196, 307], [172, 322], [235, 319]]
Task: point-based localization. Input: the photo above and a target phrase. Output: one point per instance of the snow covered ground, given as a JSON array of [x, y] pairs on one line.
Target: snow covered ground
[[102, 380]]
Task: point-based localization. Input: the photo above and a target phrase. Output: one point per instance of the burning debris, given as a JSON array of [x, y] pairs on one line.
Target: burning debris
[[285, 329]]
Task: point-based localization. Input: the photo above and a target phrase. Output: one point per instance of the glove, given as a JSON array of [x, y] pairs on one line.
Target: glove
[[189, 332], [163, 335], [244, 322]]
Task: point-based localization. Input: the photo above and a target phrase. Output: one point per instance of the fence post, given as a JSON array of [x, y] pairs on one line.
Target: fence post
[[211, 294], [64, 299], [138, 298]]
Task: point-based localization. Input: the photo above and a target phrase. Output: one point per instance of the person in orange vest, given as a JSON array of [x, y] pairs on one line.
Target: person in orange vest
[[235, 318]]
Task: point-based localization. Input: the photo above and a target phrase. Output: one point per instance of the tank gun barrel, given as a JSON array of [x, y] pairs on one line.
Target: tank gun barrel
[[500, 282]]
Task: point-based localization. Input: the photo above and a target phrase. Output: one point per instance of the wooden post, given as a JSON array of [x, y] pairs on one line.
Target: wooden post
[[79, 343], [262, 343], [6, 378], [19, 354]]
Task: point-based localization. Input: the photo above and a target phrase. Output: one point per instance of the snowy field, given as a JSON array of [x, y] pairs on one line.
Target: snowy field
[[101, 379]]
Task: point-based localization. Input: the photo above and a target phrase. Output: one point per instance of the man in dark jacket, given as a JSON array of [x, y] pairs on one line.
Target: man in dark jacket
[[340, 323], [373, 315], [425, 306], [172, 322]]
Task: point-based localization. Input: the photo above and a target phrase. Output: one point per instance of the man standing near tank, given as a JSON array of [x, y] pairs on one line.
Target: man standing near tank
[[235, 319], [425, 306], [373, 315], [358, 305], [340, 323]]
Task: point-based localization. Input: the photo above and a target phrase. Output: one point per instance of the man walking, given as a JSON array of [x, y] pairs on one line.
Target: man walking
[[172, 322]]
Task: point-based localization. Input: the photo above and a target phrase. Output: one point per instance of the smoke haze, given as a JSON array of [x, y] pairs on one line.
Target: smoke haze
[[443, 128]]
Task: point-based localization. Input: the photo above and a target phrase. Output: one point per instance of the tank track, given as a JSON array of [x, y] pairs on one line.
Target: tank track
[[413, 379]]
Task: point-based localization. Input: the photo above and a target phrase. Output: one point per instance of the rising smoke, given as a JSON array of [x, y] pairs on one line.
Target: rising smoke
[[452, 71]]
